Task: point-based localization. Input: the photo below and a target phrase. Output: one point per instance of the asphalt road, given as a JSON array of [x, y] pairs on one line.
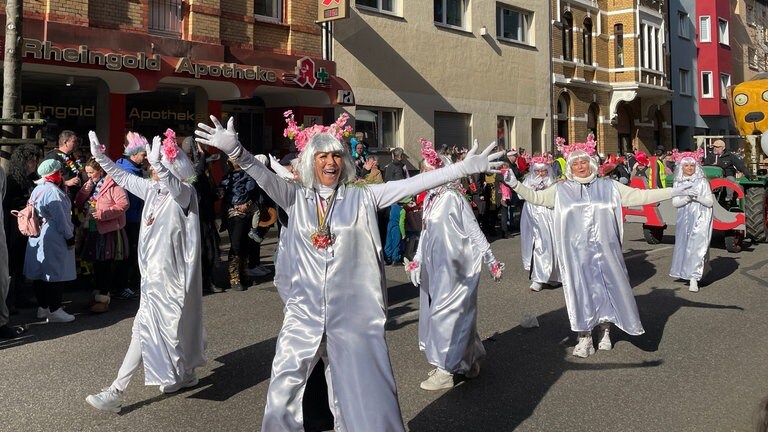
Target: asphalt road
[[700, 366]]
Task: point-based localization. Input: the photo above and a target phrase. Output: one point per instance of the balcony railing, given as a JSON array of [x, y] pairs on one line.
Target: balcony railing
[[165, 17]]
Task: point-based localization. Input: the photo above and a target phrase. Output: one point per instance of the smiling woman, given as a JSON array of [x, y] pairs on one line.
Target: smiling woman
[[333, 254]]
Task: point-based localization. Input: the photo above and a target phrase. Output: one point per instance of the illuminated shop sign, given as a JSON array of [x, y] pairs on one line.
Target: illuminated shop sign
[[61, 112], [117, 61], [166, 114], [113, 61]]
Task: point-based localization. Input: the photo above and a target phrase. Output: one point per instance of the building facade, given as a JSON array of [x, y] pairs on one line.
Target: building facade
[[750, 39], [715, 64], [610, 73], [147, 65], [449, 71]]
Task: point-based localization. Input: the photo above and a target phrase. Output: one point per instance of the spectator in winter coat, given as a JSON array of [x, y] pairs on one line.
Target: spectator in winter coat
[[132, 162]]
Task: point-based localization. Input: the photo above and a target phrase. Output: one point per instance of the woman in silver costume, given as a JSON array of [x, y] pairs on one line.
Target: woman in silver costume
[[693, 229], [536, 230], [588, 232], [336, 296], [447, 265], [167, 334]]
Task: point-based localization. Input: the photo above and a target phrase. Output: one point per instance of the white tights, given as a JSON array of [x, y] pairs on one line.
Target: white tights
[[130, 364]]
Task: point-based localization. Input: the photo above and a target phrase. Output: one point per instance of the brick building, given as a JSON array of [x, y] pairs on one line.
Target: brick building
[[610, 73], [146, 65]]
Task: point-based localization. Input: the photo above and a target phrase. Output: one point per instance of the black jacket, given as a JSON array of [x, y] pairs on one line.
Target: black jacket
[[729, 162]]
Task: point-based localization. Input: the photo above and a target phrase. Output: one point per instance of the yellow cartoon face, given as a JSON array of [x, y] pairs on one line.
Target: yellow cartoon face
[[749, 106]]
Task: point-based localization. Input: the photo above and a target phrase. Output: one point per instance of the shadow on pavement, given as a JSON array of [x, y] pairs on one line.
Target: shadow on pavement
[[521, 366], [655, 309], [239, 371], [638, 266]]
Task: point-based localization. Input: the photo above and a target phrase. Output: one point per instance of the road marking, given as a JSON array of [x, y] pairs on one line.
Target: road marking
[[647, 252]]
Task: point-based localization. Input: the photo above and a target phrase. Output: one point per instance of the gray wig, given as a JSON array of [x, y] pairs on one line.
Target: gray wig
[[579, 155], [324, 142]]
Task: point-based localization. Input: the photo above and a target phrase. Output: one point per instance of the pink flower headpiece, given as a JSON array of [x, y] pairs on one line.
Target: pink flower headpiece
[[545, 159], [698, 155], [170, 148], [135, 143], [429, 154], [301, 135], [587, 147]]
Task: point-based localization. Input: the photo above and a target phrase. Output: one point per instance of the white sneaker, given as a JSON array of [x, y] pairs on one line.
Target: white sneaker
[[43, 313], [536, 286], [173, 388], [605, 337], [59, 315], [584, 348], [108, 400], [694, 286], [257, 271], [438, 380]]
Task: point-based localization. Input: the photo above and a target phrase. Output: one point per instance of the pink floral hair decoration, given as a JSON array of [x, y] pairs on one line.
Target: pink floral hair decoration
[[301, 135], [170, 148], [698, 155], [587, 147], [545, 159], [135, 144], [429, 154]]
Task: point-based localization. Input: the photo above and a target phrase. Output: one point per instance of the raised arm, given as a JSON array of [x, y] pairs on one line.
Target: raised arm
[[281, 192], [179, 191], [132, 183], [631, 197], [389, 193], [544, 197]]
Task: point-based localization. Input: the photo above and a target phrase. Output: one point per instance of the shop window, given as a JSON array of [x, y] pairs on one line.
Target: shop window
[[268, 10], [722, 31], [378, 125], [586, 41], [505, 132], [618, 34], [706, 85], [451, 13], [452, 129], [567, 22], [704, 29], [387, 6], [513, 24], [165, 18]]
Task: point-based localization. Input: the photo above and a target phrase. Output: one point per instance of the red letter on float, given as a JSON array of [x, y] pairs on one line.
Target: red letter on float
[[739, 217], [649, 212]]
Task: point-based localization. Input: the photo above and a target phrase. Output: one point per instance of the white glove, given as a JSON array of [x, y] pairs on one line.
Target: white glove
[[261, 158], [153, 153], [280, 170], [413, 268], [480, 163], [416, 276], [96, 148], [683, 190], [510, 179], [216, 136]]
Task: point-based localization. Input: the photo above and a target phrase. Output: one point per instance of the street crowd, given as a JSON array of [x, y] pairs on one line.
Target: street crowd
[[151, 218]]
